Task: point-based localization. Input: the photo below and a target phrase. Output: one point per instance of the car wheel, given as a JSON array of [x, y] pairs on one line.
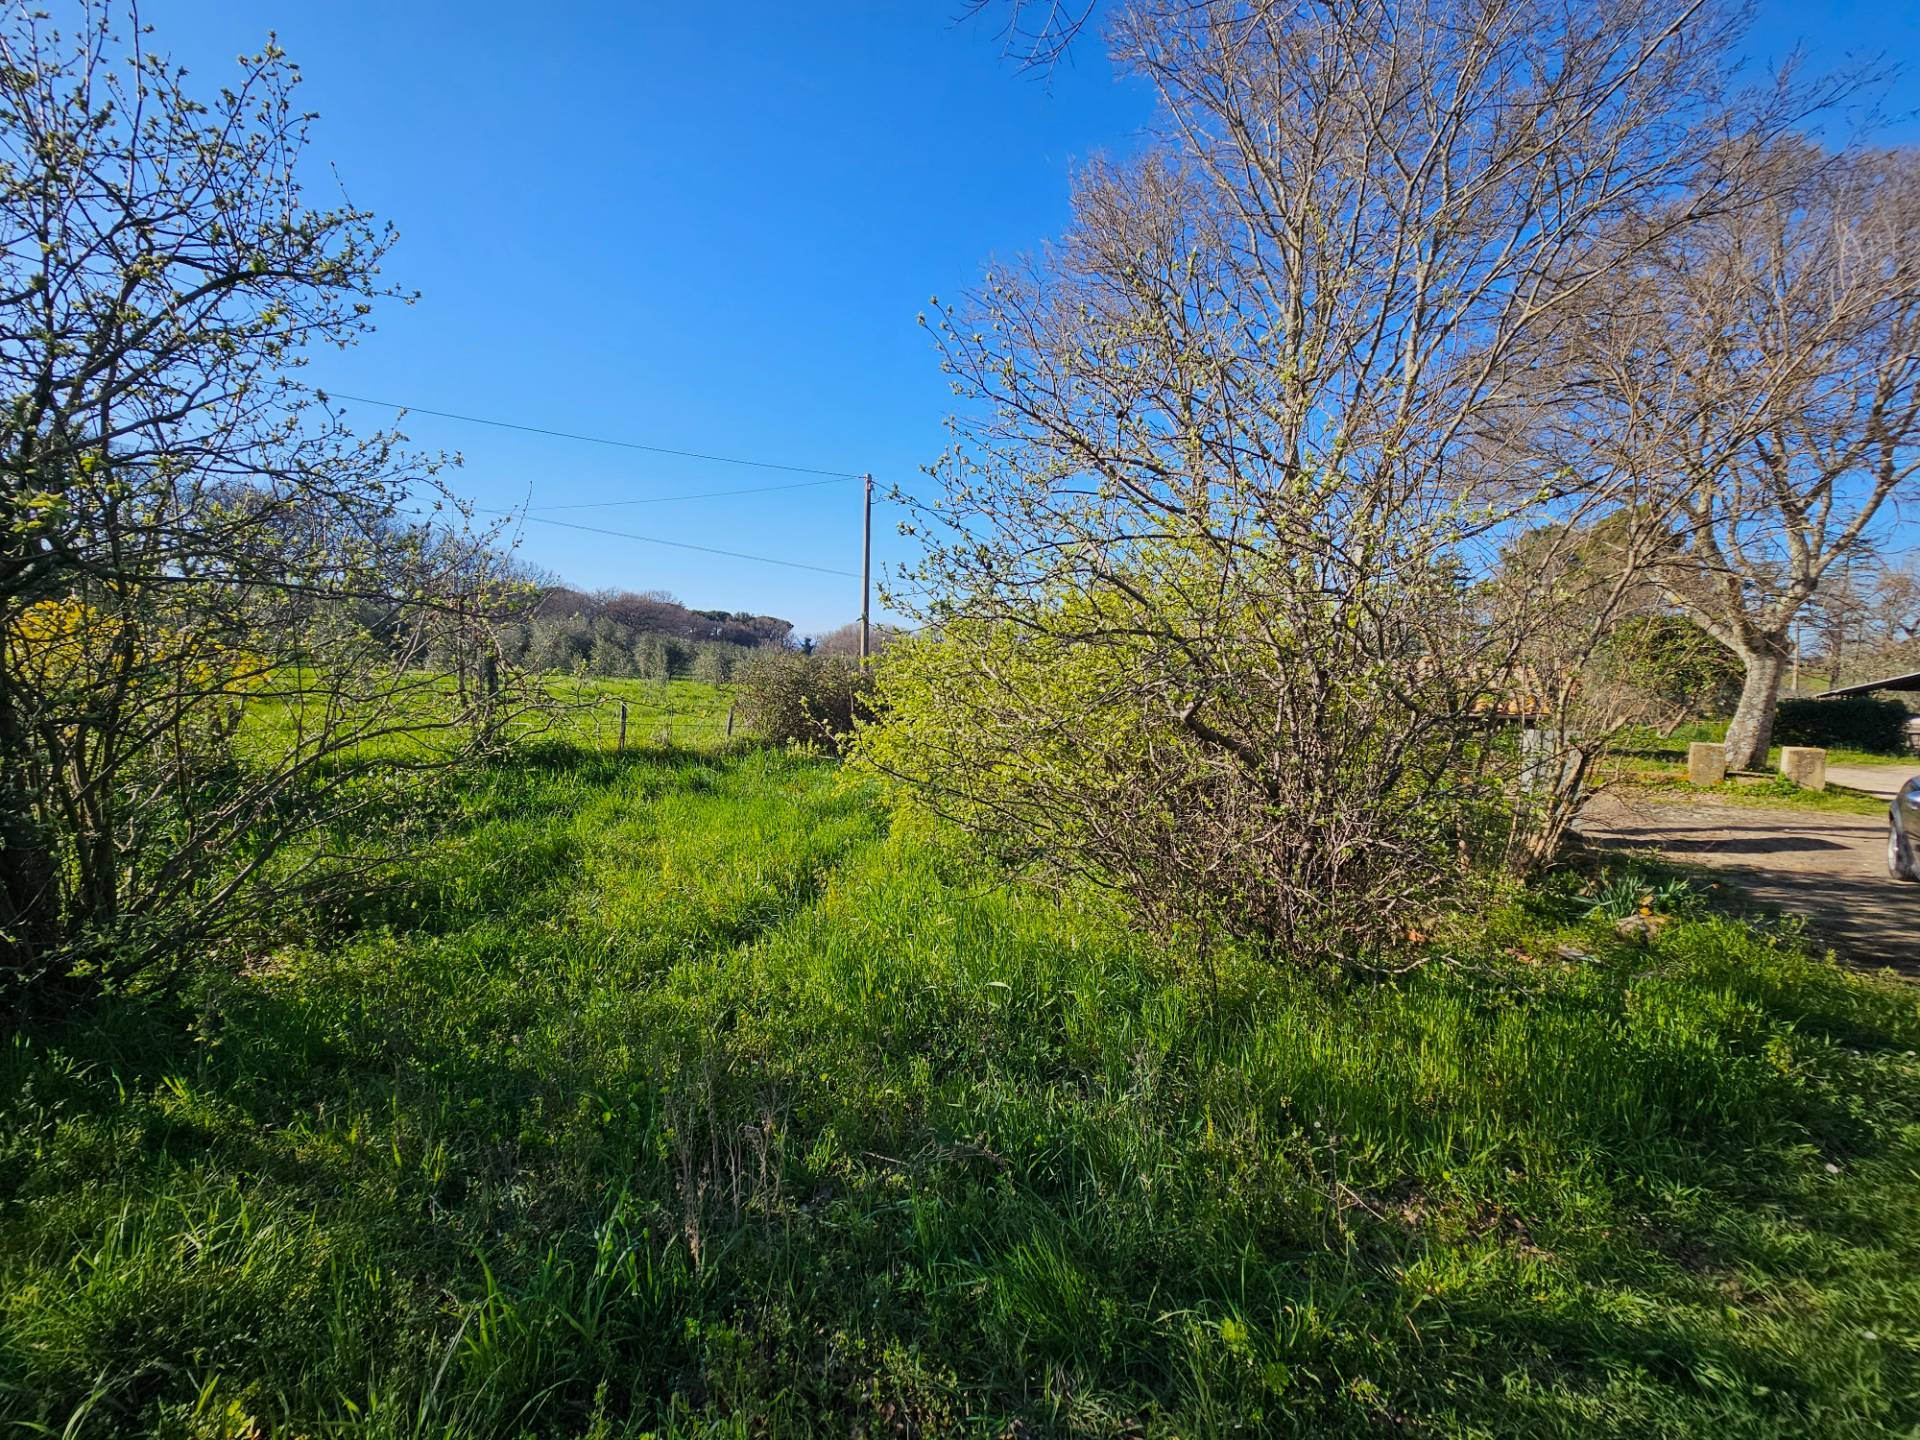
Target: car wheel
[[1898, 864]]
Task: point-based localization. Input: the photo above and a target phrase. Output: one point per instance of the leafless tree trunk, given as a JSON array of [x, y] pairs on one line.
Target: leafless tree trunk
[[1760, 371]]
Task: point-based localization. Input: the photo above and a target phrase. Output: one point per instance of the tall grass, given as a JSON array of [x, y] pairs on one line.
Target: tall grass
[[689, 1094]]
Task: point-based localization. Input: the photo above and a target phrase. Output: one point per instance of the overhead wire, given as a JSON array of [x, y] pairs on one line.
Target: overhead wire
[[526, 514], [326, 394], [674, 544], [697, 495]]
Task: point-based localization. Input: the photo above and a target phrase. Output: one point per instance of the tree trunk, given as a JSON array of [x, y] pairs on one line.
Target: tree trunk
[[1750, 731]]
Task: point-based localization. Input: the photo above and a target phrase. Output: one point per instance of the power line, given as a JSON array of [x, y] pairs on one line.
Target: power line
[[699, 495], [674, 544], [590, 439]]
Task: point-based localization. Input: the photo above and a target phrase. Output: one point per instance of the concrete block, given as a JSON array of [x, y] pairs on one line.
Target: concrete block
[[1706, 763], [1805, 765]]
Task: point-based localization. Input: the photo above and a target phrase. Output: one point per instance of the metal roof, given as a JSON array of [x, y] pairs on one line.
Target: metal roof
[[1892, 682]]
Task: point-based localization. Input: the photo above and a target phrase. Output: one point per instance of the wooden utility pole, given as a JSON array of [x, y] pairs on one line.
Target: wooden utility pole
[[866, 561]]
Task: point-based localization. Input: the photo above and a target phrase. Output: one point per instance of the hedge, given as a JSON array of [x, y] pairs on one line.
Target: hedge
[[1849, 723], [795, 699]]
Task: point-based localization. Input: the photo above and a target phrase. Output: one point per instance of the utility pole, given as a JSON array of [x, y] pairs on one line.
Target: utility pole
[[866, 561]]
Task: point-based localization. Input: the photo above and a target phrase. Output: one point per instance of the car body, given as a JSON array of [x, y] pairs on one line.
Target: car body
[[1903, 832]]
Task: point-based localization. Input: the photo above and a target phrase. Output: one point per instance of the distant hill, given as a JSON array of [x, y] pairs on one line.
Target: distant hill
[[657, 613]]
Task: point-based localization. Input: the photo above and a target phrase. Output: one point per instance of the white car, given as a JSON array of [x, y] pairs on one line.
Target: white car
[[1903, 832]]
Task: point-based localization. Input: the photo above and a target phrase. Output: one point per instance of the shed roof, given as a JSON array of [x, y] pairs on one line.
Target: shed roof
[[1867, 687]]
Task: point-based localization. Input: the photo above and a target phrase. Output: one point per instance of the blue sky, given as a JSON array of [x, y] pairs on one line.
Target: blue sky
[[710, 227]]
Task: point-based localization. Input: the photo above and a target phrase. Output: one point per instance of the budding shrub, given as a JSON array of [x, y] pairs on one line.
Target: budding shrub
[[1324, 802], [805, 700]]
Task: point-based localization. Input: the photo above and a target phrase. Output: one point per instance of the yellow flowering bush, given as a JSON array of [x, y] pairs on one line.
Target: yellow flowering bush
[[60, 646]]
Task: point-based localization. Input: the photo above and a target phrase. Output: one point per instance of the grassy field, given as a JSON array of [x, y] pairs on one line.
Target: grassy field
[[581, 710], [677, 714], [689, 1094]]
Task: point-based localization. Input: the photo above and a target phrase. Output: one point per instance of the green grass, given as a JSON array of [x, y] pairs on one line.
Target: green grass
[[1655, 765], [1774, 793], [584, 711], [690, 1094], [678, 714], [1653, 745]]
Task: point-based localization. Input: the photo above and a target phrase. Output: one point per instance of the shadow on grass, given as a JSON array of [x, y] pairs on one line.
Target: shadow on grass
[[1058, 1177]]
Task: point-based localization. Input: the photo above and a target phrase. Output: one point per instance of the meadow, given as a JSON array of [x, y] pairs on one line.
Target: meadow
[[661, 714], [691, 1091]]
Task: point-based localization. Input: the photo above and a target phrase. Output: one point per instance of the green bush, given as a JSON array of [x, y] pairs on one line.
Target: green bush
[[1674, 663], [1326, 824], [795, 699], [1852, 723]]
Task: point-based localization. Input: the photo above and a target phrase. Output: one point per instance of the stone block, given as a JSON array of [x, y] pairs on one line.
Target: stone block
[[1805, 765], [1706, 763]]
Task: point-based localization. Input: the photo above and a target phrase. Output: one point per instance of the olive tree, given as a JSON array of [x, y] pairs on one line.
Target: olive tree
[[217, 605]]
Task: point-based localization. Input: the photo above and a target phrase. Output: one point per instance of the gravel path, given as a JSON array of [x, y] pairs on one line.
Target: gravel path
[[1831, 868]]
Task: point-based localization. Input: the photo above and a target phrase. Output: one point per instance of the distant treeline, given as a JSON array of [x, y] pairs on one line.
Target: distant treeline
[[619, 634]]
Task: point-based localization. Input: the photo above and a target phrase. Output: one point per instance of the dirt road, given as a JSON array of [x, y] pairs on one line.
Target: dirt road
[[1880, 781], [1831, 868]]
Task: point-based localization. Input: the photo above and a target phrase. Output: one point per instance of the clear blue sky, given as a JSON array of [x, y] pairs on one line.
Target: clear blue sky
[[710, 227]]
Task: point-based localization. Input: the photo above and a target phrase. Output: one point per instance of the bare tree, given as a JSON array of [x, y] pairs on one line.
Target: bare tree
[[1891, 612], [1244, 443], [1759, 367], [1863, 623], [1035, 33], [217, 605], [844, 640]]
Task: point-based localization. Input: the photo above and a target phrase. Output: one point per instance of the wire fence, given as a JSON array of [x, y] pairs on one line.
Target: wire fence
[[614, 716]]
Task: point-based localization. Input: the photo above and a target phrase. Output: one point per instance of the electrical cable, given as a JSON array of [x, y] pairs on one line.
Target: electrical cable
[[698, 495], [674, 544], [326, 394]]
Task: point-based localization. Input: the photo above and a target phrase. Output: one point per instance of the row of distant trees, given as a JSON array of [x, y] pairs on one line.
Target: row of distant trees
[[577, 645], [655, 612], [618, 634], [1863, 624]]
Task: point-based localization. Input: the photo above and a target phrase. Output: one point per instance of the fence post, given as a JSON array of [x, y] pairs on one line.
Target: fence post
[[622, 748], [730, 709]]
